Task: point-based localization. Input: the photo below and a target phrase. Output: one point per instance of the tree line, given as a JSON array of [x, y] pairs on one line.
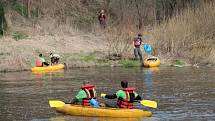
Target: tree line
[[145, 12], [139, 12]]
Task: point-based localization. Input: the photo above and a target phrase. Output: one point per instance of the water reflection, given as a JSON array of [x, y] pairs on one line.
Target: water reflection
[[75, 118], [148, 82]]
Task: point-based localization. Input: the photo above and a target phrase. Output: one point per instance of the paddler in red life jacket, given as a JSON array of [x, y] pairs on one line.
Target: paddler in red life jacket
[[85, 96], [137, 51], [40, 61], [126, 97]]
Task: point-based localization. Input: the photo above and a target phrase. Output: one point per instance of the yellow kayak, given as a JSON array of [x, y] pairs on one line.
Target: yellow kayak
[[151, 62], [78, 110], [48, 68]]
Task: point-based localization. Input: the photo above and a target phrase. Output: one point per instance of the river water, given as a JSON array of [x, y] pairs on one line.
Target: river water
[[182, 93]]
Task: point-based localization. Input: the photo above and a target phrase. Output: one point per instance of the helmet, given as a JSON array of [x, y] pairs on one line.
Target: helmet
[[139, 35], [102, 11], [40, 55], [124, 84]]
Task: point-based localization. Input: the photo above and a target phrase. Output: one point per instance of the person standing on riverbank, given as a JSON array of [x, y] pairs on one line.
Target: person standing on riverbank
[[137, 51], [102, 18]]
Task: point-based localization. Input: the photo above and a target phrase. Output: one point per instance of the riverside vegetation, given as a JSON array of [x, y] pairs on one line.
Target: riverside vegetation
[[181, 32]]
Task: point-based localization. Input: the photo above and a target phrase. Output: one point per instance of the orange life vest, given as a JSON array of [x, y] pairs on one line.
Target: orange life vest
[[38, 62], [127, 103], [91, 93]]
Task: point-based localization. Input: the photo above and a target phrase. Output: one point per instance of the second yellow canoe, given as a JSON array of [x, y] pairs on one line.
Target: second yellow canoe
[[151, 62], [48, 68]]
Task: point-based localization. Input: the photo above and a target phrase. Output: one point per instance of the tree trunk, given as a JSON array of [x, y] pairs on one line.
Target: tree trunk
[[39, 8], [3, 24], [155, 12], [29, 8], [121, 11], [139, 15]]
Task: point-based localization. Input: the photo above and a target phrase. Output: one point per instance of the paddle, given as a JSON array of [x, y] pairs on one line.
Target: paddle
[[147, 48], [149, 103], [56, 103]]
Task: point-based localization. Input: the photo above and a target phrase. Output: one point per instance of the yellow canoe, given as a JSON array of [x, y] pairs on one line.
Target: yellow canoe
[[78, 110], [151, 62], [48, 68]]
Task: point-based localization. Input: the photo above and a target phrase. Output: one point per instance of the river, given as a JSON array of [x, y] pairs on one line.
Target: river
[[182, 93]]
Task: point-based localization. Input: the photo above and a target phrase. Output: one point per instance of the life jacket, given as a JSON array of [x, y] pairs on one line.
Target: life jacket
[[38, 62], [128, 102], [91, 93], [137, 42]]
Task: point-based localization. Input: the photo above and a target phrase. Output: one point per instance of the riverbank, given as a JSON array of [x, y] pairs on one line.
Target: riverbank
[[77, 51]]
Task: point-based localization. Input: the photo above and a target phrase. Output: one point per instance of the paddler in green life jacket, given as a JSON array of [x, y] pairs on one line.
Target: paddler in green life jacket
[[126, 97], [40, 61], [86, 96]]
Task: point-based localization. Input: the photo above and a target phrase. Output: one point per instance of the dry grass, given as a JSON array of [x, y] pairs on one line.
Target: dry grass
[[190, 34], [119, 41]]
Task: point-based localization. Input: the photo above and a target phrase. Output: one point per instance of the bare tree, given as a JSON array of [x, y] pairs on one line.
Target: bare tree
[[29, 2]]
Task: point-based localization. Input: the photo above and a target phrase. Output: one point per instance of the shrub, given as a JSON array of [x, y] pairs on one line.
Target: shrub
[[129, 63], [19, 35], [88, 57], [178, 62], [20, 8]]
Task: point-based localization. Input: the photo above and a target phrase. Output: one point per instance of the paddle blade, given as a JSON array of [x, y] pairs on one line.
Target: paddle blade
[[149, 103], [56, 103]]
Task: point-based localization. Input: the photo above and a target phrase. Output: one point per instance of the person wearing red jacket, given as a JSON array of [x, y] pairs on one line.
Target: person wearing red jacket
[[102, 18], [137, 51]]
